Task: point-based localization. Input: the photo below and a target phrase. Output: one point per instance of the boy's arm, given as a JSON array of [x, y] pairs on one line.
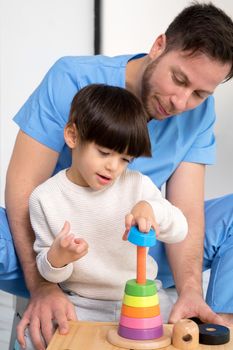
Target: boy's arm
[[55, 252], [31, 164], [171, 221], [66, 249], [185, 189], [155, 211]]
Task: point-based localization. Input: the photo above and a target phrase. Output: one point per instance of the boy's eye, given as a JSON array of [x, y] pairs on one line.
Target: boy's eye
[[128, 160], [103, 153]]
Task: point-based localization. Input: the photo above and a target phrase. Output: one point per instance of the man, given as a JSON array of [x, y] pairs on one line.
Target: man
[[175, 81]]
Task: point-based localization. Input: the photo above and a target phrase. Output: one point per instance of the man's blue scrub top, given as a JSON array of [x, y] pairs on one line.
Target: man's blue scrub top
[[186, 137]]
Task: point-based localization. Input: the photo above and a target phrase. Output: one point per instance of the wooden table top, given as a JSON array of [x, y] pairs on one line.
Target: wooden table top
[[93, 336]]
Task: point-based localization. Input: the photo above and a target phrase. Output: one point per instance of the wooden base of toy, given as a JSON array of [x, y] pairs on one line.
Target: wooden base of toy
[[93, 336], [115, 339]]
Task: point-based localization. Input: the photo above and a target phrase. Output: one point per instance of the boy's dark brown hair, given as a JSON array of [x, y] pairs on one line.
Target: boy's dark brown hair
[[112, 117], [202, 27]]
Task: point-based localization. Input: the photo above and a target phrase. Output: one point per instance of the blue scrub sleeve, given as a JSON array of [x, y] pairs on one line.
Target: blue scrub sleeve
[[203, 149], [45, 113], [9, 264], [11, 275]]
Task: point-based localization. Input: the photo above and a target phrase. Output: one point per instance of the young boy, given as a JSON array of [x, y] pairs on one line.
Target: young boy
[[96, 200]]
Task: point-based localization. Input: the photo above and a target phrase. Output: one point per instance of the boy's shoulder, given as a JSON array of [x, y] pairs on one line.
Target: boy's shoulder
[[129, 173], [48, 186], [135, 176], [137, 179]]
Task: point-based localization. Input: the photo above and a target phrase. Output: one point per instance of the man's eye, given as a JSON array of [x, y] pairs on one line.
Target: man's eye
[[199, 95], [177, 80]]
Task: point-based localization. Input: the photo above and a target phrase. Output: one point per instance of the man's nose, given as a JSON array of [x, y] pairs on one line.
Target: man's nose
[[180, 99]]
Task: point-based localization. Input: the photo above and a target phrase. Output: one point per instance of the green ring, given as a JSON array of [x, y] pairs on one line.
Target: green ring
[[141, 290]]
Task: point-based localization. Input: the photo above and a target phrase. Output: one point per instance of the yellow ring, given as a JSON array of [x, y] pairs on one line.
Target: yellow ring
[[141, 301]]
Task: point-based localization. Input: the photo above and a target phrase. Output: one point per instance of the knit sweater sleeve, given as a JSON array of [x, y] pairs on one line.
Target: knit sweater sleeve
[[44, 239], [172, 222]]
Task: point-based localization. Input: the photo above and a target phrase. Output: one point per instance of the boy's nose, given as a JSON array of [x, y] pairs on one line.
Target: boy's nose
[[112, 164]]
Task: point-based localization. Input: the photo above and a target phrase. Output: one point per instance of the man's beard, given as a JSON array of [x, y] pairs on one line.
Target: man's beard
[[149, 93], [146, 89]]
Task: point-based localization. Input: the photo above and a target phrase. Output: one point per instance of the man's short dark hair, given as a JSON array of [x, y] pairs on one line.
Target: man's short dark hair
[[203, 27], [112, 117]]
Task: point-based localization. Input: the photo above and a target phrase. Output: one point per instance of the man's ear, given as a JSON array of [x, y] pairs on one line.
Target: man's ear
[[158, 47], [71, 135]]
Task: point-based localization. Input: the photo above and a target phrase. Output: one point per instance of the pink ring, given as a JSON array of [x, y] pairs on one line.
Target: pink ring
[[141, 323]]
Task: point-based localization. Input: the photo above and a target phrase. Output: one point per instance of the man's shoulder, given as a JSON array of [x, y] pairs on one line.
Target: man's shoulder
[[69, 62], [85, 70]]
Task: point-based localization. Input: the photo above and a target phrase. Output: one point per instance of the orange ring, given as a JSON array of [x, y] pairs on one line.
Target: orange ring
[[140, 312]]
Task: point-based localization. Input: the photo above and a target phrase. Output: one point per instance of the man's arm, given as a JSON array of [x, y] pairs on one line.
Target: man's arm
[[185, 189], [31, 164]]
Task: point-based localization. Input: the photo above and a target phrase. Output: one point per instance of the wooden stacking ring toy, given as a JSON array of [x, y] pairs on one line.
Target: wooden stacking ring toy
[[140, 325]]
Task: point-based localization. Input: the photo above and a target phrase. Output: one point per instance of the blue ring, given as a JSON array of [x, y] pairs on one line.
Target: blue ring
[[142, 239]]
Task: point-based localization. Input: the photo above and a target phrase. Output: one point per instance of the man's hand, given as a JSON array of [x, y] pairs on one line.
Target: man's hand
[[141, 215], [190, 303], [47, 307], [66, 248]]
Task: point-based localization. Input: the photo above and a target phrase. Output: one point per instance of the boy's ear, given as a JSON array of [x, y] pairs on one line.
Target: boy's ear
[[71, 135]]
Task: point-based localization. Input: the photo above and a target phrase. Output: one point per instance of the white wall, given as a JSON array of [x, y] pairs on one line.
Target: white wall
[[33, 35], [131, 26]]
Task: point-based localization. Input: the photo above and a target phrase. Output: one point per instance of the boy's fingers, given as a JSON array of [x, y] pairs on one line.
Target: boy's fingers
[[81, 245], [125, 235], [129, 221], [143, 224], [155, 226], [66, 240], [66, 228]]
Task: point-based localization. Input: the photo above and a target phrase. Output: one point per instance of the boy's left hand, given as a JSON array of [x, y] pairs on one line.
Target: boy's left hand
[[142, 216]]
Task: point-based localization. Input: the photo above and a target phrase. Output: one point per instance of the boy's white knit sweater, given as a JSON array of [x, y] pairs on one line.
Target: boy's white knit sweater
[[98, 217]]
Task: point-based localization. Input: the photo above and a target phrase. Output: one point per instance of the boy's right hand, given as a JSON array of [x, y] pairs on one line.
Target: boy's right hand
[[66, 248], [141, 215]]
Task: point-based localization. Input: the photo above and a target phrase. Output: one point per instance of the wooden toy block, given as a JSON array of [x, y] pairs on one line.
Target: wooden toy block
[[185, 335]]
